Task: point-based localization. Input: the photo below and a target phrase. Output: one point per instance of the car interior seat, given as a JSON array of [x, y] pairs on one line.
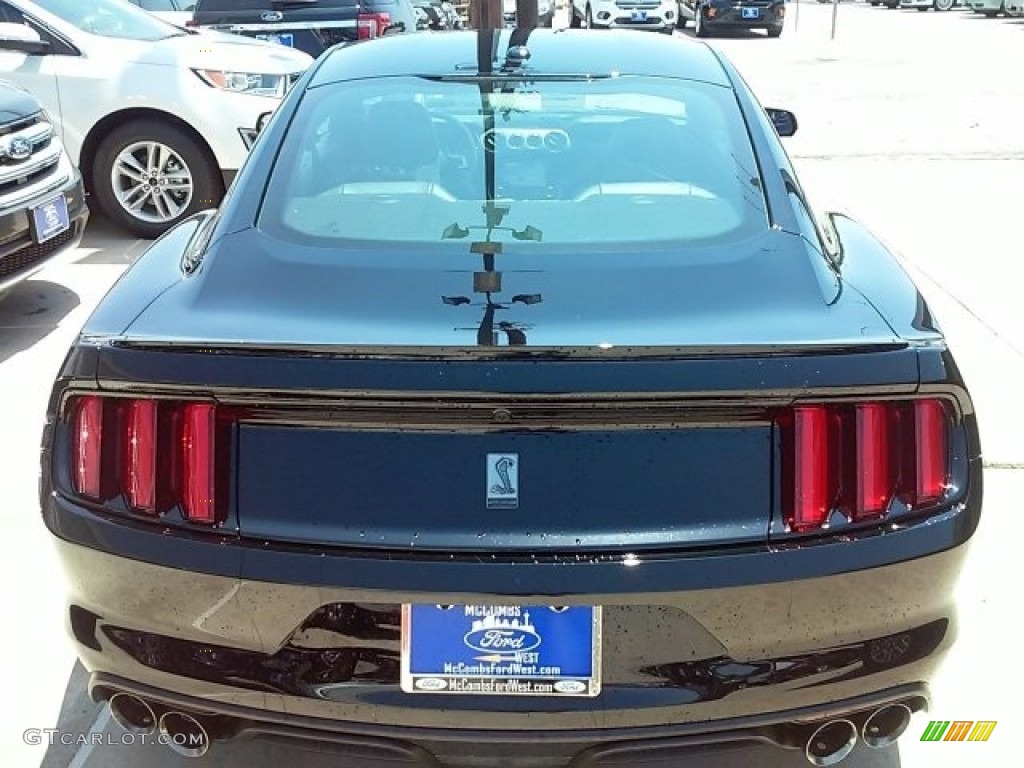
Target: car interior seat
[[399, 143]]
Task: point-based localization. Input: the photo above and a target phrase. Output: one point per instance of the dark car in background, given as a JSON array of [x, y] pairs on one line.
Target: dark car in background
[[311, 26], [708, 16], [441, 14], [177, 12], [515, 408], [42, 201]]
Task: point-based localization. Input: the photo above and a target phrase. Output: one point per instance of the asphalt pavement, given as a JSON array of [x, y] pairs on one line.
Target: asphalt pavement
[[909, 121]]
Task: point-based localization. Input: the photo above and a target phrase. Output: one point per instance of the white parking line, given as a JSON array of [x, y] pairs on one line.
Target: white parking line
[[99, 725]]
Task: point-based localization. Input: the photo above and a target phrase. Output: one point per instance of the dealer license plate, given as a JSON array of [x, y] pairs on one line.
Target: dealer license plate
[[509, 650], [50, 219], [286, 38]]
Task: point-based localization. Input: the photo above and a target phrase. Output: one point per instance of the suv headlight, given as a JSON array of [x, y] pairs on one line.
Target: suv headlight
[[244, 82]]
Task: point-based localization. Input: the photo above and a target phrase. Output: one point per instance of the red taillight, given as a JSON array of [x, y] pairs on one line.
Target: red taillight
[[149, 456], [191, 23], [930, 432], [87, 446], [811, 493], [858, 458], [372, 25], [138, 468], [198, 465], [874, 481]]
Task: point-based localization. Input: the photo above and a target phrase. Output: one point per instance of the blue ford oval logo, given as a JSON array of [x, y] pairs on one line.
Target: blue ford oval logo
[[271, 16], [19, 149], [499, 635]]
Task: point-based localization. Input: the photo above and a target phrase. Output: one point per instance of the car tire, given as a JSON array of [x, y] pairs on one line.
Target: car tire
[[875, 3], [700, 29], [181, 157], [922, 8], [774, 31], [574, 20], [943, 5]]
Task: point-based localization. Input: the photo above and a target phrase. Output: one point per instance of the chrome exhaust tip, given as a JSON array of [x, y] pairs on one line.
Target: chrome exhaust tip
[[886, 725], [831, 743], [184, 734], [132, 713]]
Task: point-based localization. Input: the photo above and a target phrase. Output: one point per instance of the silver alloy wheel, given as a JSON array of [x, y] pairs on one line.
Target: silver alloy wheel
[[151, 181], [943, 5]]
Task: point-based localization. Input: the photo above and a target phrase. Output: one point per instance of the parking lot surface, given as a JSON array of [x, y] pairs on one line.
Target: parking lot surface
[[909, 121]]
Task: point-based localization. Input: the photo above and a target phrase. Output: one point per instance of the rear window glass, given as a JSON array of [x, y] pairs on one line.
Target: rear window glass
[[423, 161]]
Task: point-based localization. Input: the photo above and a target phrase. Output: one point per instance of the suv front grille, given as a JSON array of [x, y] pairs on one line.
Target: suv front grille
[[29, 153]]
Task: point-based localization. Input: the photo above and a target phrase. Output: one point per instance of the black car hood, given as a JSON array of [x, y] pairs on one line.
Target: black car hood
[[771, 290]]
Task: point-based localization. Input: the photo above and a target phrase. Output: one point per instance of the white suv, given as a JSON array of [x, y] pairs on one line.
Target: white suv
[[158, 118], [657, 15]]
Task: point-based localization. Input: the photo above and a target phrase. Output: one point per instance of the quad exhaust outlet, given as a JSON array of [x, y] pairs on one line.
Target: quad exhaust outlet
[[831, 743], [886, 725], [132, 713], [184, 734]]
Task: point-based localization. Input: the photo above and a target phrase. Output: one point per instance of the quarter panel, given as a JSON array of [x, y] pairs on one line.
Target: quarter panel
[[869, 267]]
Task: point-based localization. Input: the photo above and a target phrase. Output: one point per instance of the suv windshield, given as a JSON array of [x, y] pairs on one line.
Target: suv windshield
[[620, 159], [110, 18]]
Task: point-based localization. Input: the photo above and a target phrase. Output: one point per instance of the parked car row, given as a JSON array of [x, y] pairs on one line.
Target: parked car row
[[988, 8], [152, 120]]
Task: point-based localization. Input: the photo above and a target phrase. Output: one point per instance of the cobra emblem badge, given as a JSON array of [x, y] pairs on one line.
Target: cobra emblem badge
[[503, 481]]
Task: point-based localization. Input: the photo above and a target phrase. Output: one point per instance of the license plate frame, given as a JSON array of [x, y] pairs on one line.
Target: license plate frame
[[640, 16], [451, 650], [750, 13], [49, 219]]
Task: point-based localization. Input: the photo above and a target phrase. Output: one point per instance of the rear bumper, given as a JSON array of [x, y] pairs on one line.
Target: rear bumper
[[326, 658], [733, 18], [722, 744]]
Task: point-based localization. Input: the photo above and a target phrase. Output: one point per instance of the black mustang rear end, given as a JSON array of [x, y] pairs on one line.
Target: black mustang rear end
[[509, 443]]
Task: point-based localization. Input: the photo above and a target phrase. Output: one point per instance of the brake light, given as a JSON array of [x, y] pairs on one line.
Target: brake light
[[86, 457], [138, 469], [811, 493], [155, 455], [932, 449], [372, 25], [856, 459], [198, 451], [874, 481]]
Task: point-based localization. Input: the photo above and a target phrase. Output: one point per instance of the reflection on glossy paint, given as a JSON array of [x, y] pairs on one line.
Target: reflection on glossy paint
[[350, 646]]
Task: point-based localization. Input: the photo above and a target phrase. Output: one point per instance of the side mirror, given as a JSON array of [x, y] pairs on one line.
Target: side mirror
[[262, 120], [783, 120], [21, 37]]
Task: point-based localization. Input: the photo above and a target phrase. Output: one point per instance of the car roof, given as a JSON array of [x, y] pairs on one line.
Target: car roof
[[552, 52]]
